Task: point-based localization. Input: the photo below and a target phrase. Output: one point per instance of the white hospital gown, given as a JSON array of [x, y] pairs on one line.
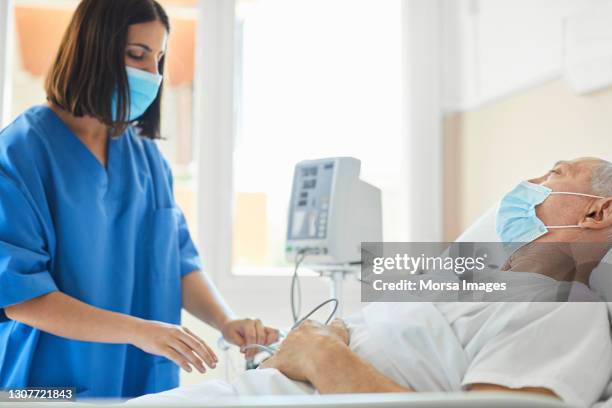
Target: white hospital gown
[[564, 347]]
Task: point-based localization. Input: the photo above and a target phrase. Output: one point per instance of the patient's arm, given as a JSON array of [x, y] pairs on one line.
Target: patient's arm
[[344, 372], [339, 370], [320, 355], [495, 387]]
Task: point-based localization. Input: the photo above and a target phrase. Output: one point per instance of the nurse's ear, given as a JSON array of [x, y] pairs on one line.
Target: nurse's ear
[[598, 215]]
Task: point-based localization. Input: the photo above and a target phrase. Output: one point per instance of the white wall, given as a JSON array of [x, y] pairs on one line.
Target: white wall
[[496, 48], [422, 114]]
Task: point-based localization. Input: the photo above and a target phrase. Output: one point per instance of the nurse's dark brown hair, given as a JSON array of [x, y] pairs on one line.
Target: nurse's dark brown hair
[[90, 63]]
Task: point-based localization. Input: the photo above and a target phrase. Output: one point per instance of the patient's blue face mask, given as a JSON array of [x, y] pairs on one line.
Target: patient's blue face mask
[[143, 87], [516, 219]]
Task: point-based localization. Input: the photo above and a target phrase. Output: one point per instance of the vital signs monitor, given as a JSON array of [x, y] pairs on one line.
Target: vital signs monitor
[[332, 211]]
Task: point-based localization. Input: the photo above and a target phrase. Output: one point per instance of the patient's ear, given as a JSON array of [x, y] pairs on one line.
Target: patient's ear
[[599, 215]]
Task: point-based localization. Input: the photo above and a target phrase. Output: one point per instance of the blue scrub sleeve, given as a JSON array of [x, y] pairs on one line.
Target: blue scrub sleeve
[[190, 258], [24, 258]]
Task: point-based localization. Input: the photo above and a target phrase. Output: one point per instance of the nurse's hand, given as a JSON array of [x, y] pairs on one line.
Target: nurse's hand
[[176, 343], [248, 331]]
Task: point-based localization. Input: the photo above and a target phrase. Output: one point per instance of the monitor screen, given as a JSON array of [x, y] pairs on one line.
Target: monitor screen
[[310, 201]]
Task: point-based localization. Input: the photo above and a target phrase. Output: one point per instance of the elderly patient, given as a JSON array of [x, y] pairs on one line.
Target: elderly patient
[[562, 350]]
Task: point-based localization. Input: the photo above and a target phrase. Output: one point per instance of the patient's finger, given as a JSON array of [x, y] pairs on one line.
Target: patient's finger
[[203, 343], [338, 322], [187, 352], [198, 348], [177, 358], [308, 325], [303, 324], [311, 323], [339, 327]]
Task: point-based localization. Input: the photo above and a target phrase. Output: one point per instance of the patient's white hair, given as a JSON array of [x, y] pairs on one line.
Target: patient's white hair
[[601, 179]]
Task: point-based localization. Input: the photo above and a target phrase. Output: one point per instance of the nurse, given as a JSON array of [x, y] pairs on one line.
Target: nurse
[[96, 260]]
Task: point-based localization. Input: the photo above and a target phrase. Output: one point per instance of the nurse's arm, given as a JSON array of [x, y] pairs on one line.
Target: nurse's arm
[[202, 299], [65, 316]]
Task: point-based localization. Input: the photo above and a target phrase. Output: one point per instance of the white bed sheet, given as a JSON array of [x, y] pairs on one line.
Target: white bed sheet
[[414, 400], [265, 382], [390, 400]]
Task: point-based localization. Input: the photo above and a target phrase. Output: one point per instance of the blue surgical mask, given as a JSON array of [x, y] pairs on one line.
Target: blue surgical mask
[[516, 219], [143, 87]]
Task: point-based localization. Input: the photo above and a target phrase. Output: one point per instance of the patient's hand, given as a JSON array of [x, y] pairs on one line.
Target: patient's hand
[[338, 328], [297, 355], [320, 355]]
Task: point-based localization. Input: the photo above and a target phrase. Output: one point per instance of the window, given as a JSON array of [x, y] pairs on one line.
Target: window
[[39, 26], [313, 79]]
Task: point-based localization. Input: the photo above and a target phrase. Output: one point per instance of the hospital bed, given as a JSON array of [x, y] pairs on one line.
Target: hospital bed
[[414, 400], [483, 230]]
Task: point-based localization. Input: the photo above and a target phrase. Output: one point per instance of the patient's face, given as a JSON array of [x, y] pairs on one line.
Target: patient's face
[[558, 209]]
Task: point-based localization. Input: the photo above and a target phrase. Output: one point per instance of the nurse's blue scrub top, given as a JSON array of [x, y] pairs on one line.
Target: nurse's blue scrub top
[[111, 237]]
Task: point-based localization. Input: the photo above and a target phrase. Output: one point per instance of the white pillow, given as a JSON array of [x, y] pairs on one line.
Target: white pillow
[[483, 230]]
